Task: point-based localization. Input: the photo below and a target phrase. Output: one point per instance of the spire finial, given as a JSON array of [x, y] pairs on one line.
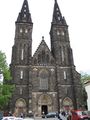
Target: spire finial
[[55, 0], [57, 16], [42, 37]]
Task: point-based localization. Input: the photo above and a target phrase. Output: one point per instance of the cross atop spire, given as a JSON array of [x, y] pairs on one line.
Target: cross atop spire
[[24, 15]]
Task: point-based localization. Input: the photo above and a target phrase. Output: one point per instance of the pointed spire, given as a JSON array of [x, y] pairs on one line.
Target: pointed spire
[[42, 37], [24, 15], [57, 16], [55, 0]]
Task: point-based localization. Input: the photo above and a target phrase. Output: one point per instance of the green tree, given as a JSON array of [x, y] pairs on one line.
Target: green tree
[[4, 66], [84, 77], [6, 87], [5, 95]]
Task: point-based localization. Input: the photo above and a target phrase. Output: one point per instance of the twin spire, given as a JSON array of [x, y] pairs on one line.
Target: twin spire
[[57, 16], [25, 16]]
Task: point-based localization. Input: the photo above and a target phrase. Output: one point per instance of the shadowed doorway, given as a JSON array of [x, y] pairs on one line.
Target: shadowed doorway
[[44, 109]]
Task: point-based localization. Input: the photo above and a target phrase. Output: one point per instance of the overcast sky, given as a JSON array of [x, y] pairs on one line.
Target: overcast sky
[[76, 13]]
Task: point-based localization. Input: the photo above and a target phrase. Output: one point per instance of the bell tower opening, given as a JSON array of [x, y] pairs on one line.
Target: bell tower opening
[[44, 109]]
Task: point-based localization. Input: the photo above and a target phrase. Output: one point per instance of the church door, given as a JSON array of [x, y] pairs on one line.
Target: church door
[[20, 107], [44, 109]]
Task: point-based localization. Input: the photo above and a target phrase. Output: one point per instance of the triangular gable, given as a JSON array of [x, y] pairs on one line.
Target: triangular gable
[[43, 56]]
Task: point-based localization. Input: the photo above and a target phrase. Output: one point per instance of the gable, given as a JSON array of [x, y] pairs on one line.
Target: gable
[[43, 55]]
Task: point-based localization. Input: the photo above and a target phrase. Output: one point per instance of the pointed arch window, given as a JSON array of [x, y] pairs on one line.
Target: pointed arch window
[[21, 90], [39, 58], [64, 75], [56, 9], [62, 55], [47, 58], [58, 17], [21, 30], [35, 61], [24, 15], [25, 6], [43, 56], [24, 10], [62, 33], [43, 79], [57, 13], [21, 74], [26, 30], [58, 32], [22, 54]]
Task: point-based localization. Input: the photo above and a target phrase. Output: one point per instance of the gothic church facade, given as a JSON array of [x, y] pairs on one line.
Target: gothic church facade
[[48, 80]]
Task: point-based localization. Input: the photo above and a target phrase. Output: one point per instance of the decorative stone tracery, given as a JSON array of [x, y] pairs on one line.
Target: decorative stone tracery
[[20, 107]]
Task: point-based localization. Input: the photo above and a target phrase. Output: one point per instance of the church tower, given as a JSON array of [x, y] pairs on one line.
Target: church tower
[[68, 79], [23, 37], [21, 58], [48, 80], [60, 44]]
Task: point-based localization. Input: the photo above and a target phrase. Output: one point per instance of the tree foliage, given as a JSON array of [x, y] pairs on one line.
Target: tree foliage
[[5, 95], [85, 77], [4, 66], [6, 88]]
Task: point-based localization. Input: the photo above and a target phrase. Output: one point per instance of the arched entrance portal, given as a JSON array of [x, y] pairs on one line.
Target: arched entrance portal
[[20, 107], [45, 104], [67, 104]]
